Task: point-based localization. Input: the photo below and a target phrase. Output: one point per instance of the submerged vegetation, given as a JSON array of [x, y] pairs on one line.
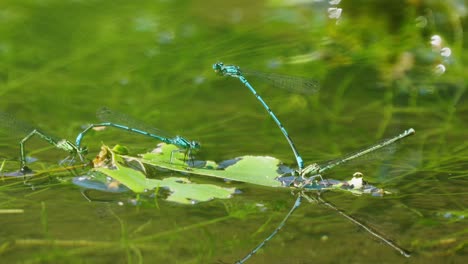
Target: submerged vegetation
[[381, 68]]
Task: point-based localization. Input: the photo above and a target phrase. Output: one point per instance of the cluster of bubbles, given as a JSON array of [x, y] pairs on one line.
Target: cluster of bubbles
[[334, 12], [445, 53]]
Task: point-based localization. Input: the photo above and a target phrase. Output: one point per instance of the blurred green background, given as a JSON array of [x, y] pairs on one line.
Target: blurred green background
[[379, 74]]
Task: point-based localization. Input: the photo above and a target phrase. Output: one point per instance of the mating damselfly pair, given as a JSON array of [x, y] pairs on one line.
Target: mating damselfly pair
[[303, 179], [75, 150], [310, 177]]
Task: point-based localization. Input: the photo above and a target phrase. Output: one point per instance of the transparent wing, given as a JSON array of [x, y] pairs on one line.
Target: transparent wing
[[107, 115], [386, 145], [17, 128], [292, 83]]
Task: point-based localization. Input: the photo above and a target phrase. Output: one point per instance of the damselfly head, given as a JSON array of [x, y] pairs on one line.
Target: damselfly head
[[25, 170], [218, 68], [195, 144]]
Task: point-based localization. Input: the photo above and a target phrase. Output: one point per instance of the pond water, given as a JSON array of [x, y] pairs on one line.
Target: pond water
[[382, 67]]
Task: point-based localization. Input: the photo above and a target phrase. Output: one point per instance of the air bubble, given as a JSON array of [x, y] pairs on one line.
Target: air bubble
[[446, 52], [436, 41], [334, 13], [439, 69]]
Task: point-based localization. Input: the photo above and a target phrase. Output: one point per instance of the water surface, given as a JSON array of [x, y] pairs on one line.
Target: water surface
[[60, 61]]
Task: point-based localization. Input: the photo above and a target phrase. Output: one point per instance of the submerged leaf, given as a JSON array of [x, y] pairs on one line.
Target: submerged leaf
[[184, 191], [100, 182]]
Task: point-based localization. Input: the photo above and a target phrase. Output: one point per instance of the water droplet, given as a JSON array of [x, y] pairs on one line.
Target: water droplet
[[82, 178], [439, 69], [334, 2], [133, 201], [446, 52], [334, 13]]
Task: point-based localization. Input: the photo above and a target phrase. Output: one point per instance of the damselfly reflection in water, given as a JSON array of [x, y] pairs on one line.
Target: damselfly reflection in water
[[310, 179]]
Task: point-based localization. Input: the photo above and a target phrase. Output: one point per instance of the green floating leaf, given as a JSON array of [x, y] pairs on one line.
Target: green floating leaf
[[181, 189], [250, 169], [135, 180], [257, 170]]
